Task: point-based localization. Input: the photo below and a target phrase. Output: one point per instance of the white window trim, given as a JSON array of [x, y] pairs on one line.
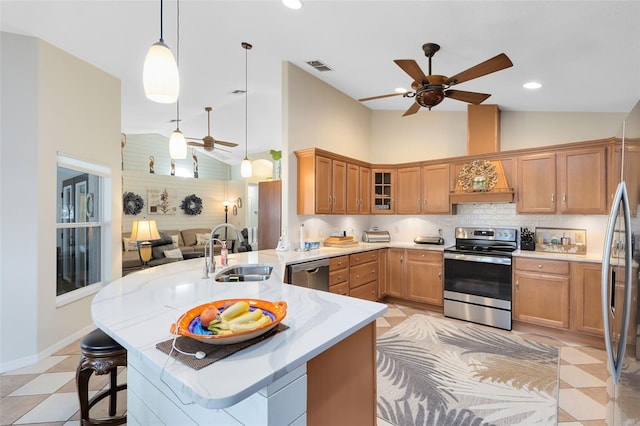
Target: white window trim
[[67, 161]]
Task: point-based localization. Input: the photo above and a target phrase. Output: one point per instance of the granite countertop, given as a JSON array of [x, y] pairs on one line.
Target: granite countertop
[[138, 310]]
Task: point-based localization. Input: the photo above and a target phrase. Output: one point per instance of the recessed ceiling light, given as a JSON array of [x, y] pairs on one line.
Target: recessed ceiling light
[[400, 90], [532, 85], [292, 4]]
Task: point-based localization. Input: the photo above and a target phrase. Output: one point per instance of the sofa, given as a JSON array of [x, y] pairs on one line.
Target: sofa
[[190, 243]]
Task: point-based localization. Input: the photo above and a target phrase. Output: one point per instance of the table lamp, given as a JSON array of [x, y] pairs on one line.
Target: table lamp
[[142, 231]]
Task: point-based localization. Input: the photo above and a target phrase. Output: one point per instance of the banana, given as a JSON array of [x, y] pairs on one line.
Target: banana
[[247, 317], [234, 310], [251, 325]]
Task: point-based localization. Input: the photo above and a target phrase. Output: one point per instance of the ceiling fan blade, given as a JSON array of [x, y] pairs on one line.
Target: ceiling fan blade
[[199, 145], [380, 97], [229, 144], [494, 64], [412, 109], [411, 67], [471, 97]]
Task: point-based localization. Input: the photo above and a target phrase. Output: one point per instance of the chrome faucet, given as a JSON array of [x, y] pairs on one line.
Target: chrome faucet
[[210, 263]]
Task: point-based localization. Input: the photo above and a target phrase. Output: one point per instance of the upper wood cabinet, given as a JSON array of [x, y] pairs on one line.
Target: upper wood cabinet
[[537, 183], [435, 189], [582, 185], [409, 199], [571, 181], [631, 174], [383, 197], [358, 189], [322, 184]]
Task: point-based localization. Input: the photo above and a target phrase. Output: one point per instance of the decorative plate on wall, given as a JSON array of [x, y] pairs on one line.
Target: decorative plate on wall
[[478, 176]]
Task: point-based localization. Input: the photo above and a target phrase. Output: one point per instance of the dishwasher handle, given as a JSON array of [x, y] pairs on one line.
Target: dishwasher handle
[[310, 267]]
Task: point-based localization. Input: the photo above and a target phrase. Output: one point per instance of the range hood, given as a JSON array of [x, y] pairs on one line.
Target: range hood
[[482, 181]]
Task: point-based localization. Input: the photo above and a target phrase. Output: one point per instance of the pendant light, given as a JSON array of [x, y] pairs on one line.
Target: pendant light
[[177, 142], [160, 72], [245, 166]]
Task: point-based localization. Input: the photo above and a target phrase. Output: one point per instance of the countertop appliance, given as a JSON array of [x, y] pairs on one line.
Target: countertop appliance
[[624, 405], [429, 240], [477, 276], [376, 236], [313, 274]]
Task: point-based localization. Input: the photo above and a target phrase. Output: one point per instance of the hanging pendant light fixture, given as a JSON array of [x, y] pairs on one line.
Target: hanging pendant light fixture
[[245, 166], [160, 72], [177, 142]]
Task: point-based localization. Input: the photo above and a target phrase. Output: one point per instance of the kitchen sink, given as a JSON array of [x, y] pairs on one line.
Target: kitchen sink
[[242, 273]]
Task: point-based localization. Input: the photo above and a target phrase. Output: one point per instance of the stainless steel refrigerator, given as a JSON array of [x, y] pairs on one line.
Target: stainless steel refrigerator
[[620, 326]]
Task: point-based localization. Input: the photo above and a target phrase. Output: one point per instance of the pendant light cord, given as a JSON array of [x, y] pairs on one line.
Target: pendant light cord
[[161, 31], [178, 61], [246, 102]]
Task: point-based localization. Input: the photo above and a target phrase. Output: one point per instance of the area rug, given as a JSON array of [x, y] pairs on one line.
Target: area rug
[[432, 371]]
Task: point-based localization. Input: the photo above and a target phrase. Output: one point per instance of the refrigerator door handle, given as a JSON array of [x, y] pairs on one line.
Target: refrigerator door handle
[[620, 200]]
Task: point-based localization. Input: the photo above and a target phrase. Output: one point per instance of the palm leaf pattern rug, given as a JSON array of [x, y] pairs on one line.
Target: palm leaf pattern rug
[[434, 372]]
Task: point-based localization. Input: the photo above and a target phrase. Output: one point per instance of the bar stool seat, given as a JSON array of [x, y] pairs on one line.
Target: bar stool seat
[[100, 355]]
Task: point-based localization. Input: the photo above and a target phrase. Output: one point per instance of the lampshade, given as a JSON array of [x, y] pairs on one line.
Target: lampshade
[[160, 74], [144, 230], [177, 145], [245, 168]]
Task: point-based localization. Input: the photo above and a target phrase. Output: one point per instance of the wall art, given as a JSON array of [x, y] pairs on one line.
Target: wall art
[[162, 201]]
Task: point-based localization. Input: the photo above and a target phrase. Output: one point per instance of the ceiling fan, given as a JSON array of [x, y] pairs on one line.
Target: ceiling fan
[[208, 142], [430, 90]]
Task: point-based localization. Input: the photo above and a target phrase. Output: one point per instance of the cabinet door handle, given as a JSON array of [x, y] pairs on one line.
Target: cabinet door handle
[[553, 198], [439, 276], [357, 276], [540, 266], [517, 285], [401, 259], [329, 199], [564, 198]]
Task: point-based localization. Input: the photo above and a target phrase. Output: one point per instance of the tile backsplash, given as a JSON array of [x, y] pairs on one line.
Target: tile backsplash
[[405, 228]]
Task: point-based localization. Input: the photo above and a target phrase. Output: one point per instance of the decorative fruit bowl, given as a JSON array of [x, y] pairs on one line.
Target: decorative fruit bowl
[[189, 323]]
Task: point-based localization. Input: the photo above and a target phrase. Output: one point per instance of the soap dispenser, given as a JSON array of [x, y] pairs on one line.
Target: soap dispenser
[[224, 254]]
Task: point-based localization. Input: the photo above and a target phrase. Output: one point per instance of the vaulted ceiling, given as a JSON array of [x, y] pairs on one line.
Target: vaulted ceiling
[[585, 53]]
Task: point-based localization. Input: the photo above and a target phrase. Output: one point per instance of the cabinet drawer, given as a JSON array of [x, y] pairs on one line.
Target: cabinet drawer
[[342, 288], [338, 262], [362, 274], [340, 276], [364, 257], [367, 291], [559, 267], [424, 256]]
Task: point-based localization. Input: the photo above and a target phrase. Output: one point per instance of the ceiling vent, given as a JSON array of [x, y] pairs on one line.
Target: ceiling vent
[[319, 65]]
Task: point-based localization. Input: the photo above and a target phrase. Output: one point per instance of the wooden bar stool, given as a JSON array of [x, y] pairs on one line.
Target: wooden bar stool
[[100, 355]]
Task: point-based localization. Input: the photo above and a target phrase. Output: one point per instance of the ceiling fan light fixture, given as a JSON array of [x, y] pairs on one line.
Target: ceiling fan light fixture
[[292, 4], [430, 97], [160, 72], [400, 90], [177, 145]]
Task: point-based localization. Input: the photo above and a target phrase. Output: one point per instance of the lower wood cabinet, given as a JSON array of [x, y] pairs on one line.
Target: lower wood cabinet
[[586, 298], [363, 275], [416, 275], [339, 275], [541, 292]]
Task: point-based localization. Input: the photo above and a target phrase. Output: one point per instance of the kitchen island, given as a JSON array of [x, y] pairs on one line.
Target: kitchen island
[[323, 365]]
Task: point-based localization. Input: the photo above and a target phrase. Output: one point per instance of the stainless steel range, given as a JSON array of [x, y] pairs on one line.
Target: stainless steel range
[[477, 276]]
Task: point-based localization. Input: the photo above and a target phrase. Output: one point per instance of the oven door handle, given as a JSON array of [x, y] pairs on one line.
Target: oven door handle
[[477, 258]]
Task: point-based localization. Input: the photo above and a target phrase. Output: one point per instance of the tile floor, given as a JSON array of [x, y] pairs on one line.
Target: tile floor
[[45, 393]]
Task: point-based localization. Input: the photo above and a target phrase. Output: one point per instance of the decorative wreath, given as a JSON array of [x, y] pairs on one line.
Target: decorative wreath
[[192, 205], [478, 169], [132, 203]]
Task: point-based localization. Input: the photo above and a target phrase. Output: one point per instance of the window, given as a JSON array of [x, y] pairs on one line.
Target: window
[[81, 225]]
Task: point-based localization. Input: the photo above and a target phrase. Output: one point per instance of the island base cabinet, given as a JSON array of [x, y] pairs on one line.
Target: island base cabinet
[[341, 387], [151, 402]]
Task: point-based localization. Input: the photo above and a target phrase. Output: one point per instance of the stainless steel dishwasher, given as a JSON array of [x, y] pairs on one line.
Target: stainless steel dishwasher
[[313, 274]]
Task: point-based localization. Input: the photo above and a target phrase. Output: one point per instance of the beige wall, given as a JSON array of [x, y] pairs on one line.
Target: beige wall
[[435, 134], [51, 102]]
